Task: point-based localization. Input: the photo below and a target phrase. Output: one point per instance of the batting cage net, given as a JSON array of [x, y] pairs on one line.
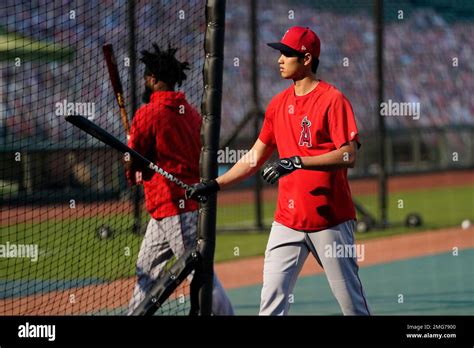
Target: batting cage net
[[74, 235]]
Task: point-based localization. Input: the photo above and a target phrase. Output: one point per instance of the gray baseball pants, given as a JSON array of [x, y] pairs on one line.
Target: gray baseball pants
[[286, 252]]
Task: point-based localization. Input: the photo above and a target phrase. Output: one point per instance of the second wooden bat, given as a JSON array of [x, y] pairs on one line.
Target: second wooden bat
[[116, 83]]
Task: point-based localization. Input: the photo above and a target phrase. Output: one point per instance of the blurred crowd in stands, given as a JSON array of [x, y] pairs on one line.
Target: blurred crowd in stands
[[30, 92], [427, 60]]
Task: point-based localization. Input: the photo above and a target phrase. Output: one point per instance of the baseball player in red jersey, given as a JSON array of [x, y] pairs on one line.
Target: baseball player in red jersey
[[167, 131], [313, 127]]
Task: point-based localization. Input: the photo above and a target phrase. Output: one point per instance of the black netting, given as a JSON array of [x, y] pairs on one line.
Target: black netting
[[67, 213]]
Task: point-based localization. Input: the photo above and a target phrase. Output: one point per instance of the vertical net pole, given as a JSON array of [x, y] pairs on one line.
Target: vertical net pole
[[134, 104], [382, 177], [211, 111], [256, 105]]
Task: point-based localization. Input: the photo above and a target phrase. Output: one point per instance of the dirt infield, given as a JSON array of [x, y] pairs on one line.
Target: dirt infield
[[377, 251], [236, 274], [12, 215]]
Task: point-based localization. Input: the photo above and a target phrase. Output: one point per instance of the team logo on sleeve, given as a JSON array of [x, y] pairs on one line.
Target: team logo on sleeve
[[305, 138]]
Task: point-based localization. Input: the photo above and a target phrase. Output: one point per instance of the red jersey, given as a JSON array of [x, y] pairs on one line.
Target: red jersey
[[311, 125], [167, 132]]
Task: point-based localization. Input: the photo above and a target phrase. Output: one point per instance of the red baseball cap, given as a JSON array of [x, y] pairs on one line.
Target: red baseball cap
[[299, 40]]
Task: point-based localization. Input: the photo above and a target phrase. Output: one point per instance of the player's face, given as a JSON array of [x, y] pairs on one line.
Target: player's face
[[148, 88], [290, 66], [149, 81]]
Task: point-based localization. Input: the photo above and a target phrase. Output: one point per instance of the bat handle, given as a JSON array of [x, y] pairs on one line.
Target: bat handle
[[126, 125]]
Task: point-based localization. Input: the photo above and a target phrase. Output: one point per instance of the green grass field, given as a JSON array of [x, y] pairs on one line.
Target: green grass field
[[69, 249]]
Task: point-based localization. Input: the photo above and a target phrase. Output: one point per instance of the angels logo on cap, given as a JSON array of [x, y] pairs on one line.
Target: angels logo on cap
[[299, 40]]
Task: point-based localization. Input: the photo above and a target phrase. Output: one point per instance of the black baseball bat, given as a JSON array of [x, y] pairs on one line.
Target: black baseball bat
[[107, 138]]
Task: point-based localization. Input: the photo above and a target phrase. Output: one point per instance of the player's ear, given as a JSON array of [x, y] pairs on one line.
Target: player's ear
[[307, 59]]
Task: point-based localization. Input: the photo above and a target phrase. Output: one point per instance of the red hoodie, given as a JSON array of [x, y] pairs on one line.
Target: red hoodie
[[167, 132]]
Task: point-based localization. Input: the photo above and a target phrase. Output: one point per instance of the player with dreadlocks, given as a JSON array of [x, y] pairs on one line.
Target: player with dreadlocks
[[166, 129]]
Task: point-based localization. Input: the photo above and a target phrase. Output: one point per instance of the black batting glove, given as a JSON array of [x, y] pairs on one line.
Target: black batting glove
[[200, 191], [278, 169]]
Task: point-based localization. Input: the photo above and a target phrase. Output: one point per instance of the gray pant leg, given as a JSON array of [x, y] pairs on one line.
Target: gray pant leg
[[163, 239], [182, 230], [342, 272], [221, 304], [155, 251], [285, 255]]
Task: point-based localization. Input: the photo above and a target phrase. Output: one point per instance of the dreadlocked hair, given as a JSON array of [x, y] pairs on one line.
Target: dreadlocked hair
[[164, 66]]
